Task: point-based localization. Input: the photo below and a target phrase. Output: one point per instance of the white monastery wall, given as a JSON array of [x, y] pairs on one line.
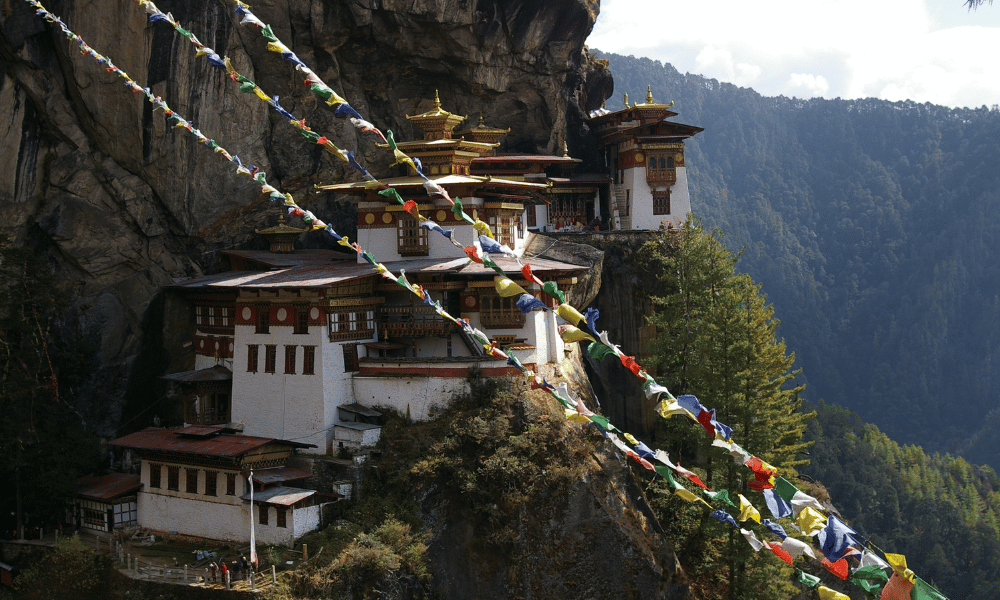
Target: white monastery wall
[[641, 199], [190, 516], [279, 405], [417, 396], [304, 520], [337, 389]]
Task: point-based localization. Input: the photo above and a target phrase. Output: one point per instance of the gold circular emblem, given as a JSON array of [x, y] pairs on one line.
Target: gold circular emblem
[[475, 214], [386, 218], [369, 218], [640, 157], [442, 216], [282, 313], [470, 301], [678, 157]]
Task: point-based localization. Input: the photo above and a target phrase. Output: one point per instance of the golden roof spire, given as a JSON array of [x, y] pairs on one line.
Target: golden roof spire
[[437, 100], [649, 95], [565, 149], [481, 122], [626, 100]]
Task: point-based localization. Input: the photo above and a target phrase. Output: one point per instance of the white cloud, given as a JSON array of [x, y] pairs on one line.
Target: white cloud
[[814, 85], [924, 50]]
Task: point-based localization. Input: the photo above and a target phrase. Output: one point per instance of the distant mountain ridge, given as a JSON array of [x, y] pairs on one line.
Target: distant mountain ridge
[[872, 226]]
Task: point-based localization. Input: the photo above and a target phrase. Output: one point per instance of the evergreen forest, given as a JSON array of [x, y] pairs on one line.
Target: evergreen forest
[[872, 228]]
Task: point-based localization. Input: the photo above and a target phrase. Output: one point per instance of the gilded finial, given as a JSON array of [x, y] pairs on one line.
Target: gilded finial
[[565, 149], [649, 95], [481, 122], [437, 100], [626, 100]]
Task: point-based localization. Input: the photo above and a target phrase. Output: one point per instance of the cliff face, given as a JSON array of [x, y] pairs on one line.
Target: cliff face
[[123, 204]]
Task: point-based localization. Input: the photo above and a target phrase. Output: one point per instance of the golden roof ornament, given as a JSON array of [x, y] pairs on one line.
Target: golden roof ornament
[[565, 149], [626, 100], [649, 95]]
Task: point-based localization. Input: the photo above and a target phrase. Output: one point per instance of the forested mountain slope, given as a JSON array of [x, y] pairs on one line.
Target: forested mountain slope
[[872, 227]]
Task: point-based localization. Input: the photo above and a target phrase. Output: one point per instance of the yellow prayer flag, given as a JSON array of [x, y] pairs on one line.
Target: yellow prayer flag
[[690, 497], [483, 229], [898, 562], [335, 99], [571, 334], [810, 521], [344, 241], [507, 288], [260, 94], [576, 417], [569, 313], [747, 511], [276, 47], [669, 406], [826, 593], [631, 439]]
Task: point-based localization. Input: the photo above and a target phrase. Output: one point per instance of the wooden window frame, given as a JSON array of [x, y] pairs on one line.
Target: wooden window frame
[[190, 480], [281, 516], [270, 358], [155, 475], [230, 484], [308, 360], [290, 360], [211, 483], [253, 357], [356, 323], [350, 358], [174, 478], [661, 204], [301, 320], [262, 514]]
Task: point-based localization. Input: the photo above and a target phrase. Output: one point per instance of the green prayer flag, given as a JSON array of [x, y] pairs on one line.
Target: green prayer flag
[[550, 288], [871, 573], [389, 137], [785, 489], [321, 90], [487, 262], [807, 580], [247, 88], [312, 136], [268, 34], [243, 79], [182, 31], [212, 144], [599, 350], [604, 423], [721, 496], [665, 473], [925, 591], [262, 178], [392, 194]]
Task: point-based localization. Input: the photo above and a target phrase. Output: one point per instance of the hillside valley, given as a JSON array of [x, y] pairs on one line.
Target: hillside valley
[[873, 229]]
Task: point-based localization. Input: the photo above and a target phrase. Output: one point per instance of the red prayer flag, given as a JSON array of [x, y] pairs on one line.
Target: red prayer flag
[[470, 251], [838, 568], [779, 551]]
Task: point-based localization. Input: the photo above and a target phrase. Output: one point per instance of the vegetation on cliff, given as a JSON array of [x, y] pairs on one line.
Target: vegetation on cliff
[[498, 497], [715, 338]]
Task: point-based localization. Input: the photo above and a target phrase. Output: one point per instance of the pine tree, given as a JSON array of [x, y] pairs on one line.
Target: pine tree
[[716, 339]]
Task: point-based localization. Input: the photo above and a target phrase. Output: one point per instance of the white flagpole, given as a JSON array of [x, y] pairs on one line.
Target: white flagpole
[[253, 537]]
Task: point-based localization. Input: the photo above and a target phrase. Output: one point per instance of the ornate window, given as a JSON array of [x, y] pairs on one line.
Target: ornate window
[[411, 238], [352, 325], [661, 169], [497, 312], [301, 319], [661, 202], [263, 318], [503, 227], [290, 360]]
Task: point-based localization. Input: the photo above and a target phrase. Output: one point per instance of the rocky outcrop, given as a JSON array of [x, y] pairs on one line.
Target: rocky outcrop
[[123, 204]]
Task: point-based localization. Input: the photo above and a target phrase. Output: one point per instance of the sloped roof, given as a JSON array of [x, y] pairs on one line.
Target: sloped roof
[[199, 440], [282, 496], [279, 474], [211, 374], [105, 488]]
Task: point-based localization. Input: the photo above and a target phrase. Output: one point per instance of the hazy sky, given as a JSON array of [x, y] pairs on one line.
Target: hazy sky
[[924, 50]]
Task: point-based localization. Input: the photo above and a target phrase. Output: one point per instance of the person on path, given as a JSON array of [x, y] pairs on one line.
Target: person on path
[[213, 568], [225, 570]]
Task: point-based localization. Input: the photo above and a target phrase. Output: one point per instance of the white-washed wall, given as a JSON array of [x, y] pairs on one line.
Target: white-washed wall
[[304, 520], [642, 199], [280, 405], [417, 396]]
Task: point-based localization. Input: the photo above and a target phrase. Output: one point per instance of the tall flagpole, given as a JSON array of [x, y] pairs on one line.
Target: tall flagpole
[[253, 537]]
